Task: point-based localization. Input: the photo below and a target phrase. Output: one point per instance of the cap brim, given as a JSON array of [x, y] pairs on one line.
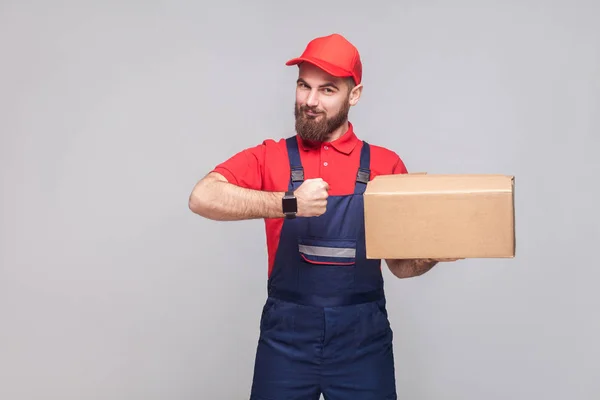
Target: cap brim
[[324, 65]]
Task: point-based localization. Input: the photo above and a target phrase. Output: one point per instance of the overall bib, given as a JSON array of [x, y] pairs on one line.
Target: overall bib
[[324, 327]]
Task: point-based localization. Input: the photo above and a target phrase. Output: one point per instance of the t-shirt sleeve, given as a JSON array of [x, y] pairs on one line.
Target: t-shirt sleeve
[[246, 168], [399, 167]]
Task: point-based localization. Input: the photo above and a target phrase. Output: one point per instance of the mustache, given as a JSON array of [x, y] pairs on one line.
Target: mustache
[[311, 109]]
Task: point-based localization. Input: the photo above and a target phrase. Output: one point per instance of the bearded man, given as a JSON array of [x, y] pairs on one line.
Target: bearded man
[[324, 328]]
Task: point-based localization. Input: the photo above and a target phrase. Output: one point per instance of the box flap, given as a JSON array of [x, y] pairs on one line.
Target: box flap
[[439, 183]]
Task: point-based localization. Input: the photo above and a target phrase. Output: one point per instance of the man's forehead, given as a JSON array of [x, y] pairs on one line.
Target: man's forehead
[[309, 71]]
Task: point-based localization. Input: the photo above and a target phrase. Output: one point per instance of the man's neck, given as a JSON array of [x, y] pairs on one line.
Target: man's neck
[[339, 132]]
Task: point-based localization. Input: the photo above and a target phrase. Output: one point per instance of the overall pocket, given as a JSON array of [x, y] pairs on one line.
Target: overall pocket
[[341, 252], [328, 265]]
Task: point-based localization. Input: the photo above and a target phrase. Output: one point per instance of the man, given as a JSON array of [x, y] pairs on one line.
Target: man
[[324, 327]]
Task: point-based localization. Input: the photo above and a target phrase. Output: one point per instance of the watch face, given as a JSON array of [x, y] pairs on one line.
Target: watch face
[[289, 205]]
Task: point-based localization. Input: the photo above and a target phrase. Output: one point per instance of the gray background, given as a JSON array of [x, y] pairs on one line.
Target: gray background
[[110, 288]]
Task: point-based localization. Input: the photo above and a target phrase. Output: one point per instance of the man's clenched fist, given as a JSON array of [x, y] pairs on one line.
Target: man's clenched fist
[[311, 197]]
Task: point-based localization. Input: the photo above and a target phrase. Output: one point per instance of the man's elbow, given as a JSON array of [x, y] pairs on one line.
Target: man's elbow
[[404, 269], [201, 200], [197, 200], [195, 203], [395, 267]]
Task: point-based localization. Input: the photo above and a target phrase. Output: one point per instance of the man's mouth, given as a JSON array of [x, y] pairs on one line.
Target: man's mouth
[[311, 113]]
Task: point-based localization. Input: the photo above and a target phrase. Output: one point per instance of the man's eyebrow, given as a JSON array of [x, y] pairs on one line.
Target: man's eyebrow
[[326, 84], [330, 84]]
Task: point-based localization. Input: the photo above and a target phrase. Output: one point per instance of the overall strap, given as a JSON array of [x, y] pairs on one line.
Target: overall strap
[[364, 171], [296, 170]]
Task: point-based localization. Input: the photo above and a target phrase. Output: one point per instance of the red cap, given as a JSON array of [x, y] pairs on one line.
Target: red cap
[[333, 54]]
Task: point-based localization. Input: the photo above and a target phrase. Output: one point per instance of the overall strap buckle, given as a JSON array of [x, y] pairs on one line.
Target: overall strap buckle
[[363, 175], [296, 169], [364, 170]]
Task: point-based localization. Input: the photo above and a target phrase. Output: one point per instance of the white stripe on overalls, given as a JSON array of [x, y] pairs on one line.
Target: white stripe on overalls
[[327, 251]]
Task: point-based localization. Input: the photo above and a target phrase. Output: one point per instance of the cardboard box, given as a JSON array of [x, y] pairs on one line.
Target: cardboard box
[[440, 216]]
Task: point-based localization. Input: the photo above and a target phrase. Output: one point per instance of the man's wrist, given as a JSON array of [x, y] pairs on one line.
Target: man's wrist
[[289, 205]]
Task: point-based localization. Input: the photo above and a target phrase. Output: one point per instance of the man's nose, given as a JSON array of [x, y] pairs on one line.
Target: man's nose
[[313, 99]]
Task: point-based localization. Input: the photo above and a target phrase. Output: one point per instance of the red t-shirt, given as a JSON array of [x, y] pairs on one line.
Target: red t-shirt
[[266, 167]]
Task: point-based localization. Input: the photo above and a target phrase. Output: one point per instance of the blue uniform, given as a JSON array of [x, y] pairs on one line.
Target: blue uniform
[[324, 327]]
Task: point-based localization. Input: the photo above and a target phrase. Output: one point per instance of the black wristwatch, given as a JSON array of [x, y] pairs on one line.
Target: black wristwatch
[[289, 205]]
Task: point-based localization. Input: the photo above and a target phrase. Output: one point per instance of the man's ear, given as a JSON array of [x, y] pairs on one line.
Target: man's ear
[[355, 94]]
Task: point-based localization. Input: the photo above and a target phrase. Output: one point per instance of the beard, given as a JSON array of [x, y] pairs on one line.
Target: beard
[[309, 128]]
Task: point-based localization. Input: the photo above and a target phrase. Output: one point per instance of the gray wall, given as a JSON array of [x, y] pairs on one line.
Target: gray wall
[[110, 288]]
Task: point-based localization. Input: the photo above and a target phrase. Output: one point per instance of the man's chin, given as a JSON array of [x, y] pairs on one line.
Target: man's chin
[[314, 138], [311, 141]]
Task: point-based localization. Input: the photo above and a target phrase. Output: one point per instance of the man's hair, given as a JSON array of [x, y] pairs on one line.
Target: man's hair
[[350, 82]]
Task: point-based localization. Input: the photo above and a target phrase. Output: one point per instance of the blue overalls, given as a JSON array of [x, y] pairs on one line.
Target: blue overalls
[[324, 327]]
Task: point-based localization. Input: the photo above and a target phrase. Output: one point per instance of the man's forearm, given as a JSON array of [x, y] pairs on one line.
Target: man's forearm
[[410, 268], [217, 199]]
